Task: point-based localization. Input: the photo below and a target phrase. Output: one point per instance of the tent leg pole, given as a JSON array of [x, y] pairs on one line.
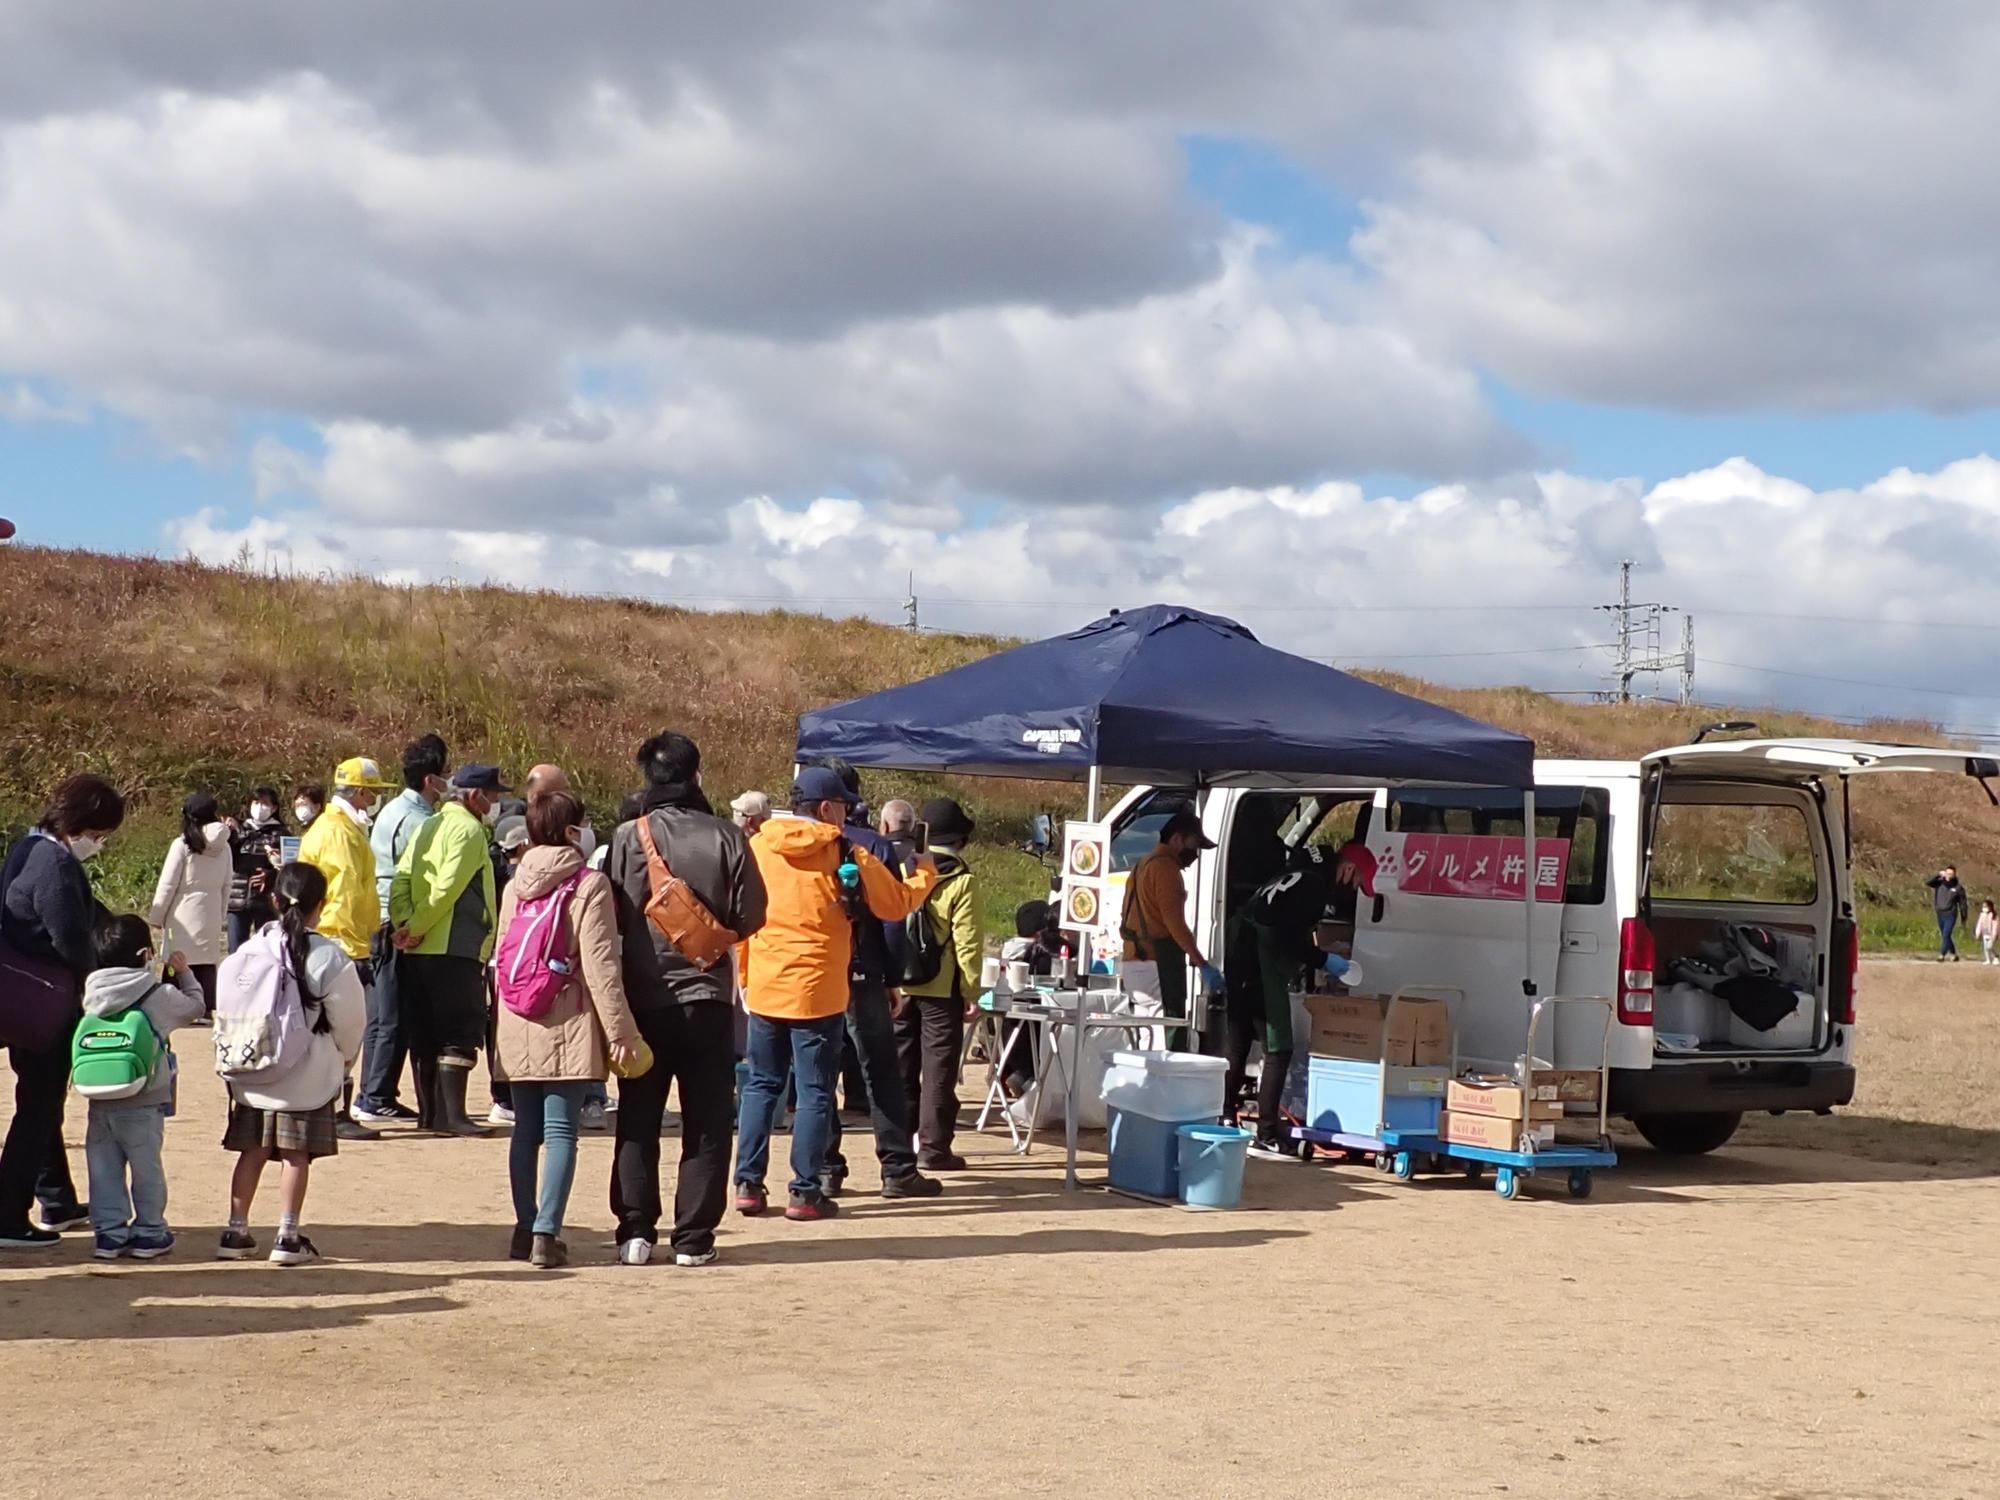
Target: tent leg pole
[[1528, 847], [1093, 790]]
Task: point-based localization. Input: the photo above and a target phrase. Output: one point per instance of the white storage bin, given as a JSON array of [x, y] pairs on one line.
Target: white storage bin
[[1690, 1010], [1173, 1087]]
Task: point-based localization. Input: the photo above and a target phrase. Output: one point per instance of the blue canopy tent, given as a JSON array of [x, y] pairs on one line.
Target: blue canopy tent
[[1171, 696], [1163, 694]]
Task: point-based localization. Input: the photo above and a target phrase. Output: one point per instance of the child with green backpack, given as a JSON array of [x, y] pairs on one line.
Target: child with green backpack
[[121, 1063]]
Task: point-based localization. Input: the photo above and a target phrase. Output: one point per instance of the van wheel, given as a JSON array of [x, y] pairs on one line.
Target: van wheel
[[1687, 1135]]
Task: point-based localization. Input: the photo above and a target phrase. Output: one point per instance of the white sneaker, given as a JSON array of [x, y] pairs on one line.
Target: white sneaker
[[706, 1258], [593, 1116], [635, 1252], [499, 1114]]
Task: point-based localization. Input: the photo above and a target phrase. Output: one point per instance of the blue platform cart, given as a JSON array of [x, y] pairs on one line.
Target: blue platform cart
[[1513, 1168], [1378, 1111]]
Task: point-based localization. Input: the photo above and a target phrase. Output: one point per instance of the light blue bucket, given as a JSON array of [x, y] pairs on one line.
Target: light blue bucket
[[1212, 1158]]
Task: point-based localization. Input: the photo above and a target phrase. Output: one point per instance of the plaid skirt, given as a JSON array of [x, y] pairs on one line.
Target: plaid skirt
[[310, 1131]]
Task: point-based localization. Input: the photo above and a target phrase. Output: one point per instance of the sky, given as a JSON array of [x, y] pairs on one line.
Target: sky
[[1388, 329]]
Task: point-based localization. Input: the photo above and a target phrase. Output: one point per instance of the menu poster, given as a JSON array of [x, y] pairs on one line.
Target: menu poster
[[1090, 900]]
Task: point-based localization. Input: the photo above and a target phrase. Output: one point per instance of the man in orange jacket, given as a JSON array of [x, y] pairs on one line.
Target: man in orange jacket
[[796, 978]]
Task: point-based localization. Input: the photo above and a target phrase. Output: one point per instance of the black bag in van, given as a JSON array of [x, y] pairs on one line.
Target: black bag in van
[[1757, 1002]]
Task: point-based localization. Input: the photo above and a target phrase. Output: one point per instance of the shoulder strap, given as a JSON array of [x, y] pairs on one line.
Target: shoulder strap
[[657, 871]]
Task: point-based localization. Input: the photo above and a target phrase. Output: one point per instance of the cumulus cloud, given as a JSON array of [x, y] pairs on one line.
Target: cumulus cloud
[[1465, 583]]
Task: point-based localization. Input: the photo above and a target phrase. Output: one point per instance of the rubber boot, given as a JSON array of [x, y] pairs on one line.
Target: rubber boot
[[453, 1074], [424, 1073]]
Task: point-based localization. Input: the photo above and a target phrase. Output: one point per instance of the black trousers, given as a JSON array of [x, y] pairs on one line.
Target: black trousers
[[33, 1164], [930, 1036], [443, 1000], [693, 1045], [871, 1032]]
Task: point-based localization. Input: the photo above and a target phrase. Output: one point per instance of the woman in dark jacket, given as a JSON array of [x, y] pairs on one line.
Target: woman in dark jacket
[[254, 851], [47, 912]]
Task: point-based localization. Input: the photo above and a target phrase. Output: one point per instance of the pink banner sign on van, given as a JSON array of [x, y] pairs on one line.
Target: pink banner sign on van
[[1476, 867]]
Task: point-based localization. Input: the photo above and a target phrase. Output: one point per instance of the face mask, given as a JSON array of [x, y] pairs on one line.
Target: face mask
[[1188, 857], [586, 841], [86, 847], [303, 811], [362, 815], [491, 817], [261, 812]]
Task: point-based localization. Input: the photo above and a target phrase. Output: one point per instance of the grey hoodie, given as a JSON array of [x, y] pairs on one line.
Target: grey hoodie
[[112, 992]]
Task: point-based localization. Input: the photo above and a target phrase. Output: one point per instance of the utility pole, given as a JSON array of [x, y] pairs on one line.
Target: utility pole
[[1639, 647], [910, 606], [1687, 660]]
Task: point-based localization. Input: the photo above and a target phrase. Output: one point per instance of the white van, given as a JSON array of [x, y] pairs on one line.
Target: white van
[[1660, 859]]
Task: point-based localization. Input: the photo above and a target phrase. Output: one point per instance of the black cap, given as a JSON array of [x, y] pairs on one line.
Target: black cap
[[478, 778], [947, 821], [816, 784], [1185, 822]]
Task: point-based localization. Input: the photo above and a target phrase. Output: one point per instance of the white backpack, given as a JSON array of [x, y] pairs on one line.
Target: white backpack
[[261, 1030]]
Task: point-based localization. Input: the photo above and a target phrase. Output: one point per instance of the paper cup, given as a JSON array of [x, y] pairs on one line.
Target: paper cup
[[989, 974], [1019, 976]]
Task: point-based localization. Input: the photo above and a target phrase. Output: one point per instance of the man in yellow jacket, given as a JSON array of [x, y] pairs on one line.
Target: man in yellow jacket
[[443, 911], [796, 977], [337, 844]]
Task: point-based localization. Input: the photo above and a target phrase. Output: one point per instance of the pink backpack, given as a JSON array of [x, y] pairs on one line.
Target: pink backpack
[[533, 964]]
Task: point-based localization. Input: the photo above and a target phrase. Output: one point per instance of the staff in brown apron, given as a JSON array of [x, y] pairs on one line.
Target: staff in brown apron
[[1158, 945]]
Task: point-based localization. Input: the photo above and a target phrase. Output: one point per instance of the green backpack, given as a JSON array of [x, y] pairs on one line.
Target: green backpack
[[113, 1057]]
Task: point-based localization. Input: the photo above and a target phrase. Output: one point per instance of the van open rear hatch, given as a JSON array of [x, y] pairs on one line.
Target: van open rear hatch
[[1746, 934]]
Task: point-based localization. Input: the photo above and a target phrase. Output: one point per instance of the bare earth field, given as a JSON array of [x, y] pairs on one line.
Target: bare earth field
[[1808, 1313]]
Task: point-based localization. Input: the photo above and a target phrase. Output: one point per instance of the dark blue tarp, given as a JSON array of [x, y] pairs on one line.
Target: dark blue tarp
[[1164, 695]]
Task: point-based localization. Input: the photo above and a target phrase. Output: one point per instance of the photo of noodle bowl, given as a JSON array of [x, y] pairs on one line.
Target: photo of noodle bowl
[[1085, 859], [1082, 906]]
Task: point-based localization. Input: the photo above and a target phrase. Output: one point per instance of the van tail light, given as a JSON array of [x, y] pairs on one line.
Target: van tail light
[[1846, 969], [1635, 973]]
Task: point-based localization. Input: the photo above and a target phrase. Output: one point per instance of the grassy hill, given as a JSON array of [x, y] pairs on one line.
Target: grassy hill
[[170, 675]]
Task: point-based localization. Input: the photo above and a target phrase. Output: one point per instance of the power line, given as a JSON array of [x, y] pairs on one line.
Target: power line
[[1889, 687]]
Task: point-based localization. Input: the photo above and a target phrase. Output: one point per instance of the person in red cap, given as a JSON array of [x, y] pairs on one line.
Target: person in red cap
[[1270, 944]]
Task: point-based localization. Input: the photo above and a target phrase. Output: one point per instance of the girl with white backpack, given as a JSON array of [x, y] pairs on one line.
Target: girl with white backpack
[[289, 1017]]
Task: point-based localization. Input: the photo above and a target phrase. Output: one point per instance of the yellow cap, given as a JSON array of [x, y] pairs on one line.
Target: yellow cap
[[361, 772]]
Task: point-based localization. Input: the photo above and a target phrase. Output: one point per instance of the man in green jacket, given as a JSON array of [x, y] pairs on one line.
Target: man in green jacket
[[442, 911], [930, 1029]]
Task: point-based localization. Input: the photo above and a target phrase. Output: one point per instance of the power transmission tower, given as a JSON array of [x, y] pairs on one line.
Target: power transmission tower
[[1639, 646], [910, 606]]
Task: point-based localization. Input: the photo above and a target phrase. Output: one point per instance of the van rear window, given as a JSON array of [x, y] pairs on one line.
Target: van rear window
[[1577, 813], [1751, 854]]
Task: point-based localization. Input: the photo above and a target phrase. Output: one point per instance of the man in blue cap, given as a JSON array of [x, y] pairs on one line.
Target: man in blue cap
[[443, 907]]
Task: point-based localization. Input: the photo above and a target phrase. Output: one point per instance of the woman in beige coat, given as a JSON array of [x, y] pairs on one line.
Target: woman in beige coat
[[552, 1059]]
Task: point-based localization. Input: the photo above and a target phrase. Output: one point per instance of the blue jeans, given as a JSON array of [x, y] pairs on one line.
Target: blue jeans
[[810, 1050], [1947, 921], [545, 1115], [118, 1140]]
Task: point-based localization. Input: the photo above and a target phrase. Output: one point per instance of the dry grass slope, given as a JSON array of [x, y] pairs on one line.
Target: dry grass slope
[[166, 675]]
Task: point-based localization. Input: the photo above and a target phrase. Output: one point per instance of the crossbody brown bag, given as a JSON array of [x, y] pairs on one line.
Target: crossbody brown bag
[[677, 913]]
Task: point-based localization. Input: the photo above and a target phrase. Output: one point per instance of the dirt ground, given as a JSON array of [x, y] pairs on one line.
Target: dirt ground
[[1807, 1315]]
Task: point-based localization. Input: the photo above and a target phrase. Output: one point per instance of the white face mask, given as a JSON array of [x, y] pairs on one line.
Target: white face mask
[[261, 812], [491, 817], [586, 841], [303, 811], [84, 846], [362, 815]]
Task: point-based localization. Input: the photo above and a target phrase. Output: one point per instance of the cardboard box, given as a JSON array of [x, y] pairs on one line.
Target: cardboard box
[[1417, 1033], [1495, 1098], [1568, 1085], [1431, 1039], [1494, 1134]]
